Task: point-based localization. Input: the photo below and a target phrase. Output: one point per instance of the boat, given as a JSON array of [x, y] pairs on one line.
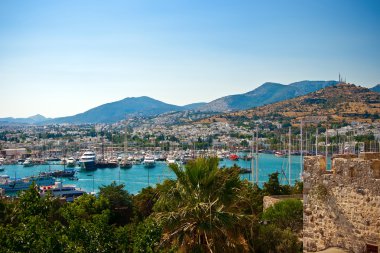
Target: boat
[[220, 157], [87, 161], [69, 172], [149, 162], [28, 162], [138, 159], [69, 192], [280, 154], [170, 160], [113, 163], [101, 164], [161, 158], [234, 157], [71, 162], [186, 158], [18, 184], [126, 164]]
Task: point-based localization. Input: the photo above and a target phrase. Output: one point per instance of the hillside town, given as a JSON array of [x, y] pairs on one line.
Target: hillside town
[[69, 140]]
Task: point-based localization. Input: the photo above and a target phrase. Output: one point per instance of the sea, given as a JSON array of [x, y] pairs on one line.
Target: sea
[[139, 177]]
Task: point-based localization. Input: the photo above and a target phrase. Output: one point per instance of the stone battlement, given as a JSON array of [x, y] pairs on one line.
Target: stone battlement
[[342, 206]]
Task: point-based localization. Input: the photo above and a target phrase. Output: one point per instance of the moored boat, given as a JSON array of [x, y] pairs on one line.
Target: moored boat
[[149, 162], [126, 164], [71, 162], [18, 184], [234, 157], [28, 162], [170, 160], [67, 172], [87, 161], [69, 192]]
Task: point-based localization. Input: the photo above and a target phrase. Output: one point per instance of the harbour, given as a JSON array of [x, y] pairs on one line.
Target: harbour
[[140, 176]]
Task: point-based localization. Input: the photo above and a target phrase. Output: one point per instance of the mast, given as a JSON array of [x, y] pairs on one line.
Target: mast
[[126, 141], [289, 155], [316, 142], [252, 162], [301, 150], [257, 156], [326, 146]]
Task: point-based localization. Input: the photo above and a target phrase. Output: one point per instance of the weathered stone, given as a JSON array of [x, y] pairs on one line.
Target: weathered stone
[[349, 215]]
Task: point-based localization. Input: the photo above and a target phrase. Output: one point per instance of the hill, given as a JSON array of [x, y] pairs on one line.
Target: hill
[[335, 103], [376, 88], [193, 106], [119, 110], [30, 120], [267, 93]]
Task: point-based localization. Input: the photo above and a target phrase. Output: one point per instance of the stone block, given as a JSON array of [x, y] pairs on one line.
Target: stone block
[[369, 155], [375, 166]]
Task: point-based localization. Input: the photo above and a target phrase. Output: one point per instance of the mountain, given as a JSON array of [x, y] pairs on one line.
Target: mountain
[[376, 88], [30, 120], [342, 102], [119, 110], [193, 106], [267, 93]]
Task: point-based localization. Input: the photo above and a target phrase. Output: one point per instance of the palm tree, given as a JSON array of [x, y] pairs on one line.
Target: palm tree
[[201, 212]]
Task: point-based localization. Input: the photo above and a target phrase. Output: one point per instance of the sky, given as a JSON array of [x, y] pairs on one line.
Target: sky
[[60, 58]]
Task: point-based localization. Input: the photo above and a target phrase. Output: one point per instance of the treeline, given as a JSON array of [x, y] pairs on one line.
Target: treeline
[[205, 209]]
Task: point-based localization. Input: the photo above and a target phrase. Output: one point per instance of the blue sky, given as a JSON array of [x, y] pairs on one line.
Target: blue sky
[[59, 58]]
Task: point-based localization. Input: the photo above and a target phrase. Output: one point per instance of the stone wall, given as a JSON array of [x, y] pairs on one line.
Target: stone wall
[[342, 206]]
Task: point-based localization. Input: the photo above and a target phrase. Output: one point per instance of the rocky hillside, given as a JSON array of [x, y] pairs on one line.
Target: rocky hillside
[[336, 103]]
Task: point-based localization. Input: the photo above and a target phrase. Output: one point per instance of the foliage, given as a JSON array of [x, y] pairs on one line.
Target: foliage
[[120, 203], [273, 186], [205, 209], [148, 235], [144, 201], [201, 213], [286, 214], [272, 239]]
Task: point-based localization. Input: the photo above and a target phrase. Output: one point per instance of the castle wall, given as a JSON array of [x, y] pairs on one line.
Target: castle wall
[[342, 206]]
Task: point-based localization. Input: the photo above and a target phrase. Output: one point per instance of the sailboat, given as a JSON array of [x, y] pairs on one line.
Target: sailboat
[[125, 162]]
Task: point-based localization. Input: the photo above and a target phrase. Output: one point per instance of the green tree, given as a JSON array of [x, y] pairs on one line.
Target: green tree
[[272, 239], [272, 187], [120, 202], [200, 213], [144, 201], [286, 214], [147, 237]]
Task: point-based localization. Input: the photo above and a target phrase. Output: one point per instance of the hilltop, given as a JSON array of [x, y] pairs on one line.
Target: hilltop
[[336, 103], [267, 93], [376, 88], [158, 112]]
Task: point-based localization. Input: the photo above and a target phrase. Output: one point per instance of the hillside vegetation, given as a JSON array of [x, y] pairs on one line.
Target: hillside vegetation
[[342, 102]]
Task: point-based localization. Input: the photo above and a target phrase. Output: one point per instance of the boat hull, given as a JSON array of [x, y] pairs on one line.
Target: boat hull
[[19, 185], [88, 165]]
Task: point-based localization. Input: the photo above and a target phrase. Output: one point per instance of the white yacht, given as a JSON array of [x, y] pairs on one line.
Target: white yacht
[[149, 161], [88, 161], [170, 160], [18, 184], [69, 192], [71, 162], [28, 162]]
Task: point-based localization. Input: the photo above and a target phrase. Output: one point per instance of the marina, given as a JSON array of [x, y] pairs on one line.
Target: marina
[[140, 176]]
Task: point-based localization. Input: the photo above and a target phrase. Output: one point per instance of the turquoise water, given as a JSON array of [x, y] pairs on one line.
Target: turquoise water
[[139, 177]]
